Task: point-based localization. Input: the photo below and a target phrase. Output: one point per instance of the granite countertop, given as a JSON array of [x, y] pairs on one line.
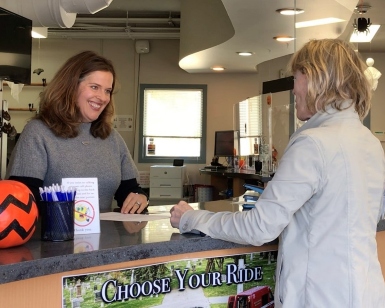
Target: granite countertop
[[117, 242]]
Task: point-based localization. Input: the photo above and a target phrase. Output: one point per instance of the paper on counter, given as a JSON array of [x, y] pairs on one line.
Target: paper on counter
[[115, 216]]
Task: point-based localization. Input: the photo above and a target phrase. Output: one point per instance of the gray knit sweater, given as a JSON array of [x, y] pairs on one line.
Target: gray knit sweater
[[40, 154]]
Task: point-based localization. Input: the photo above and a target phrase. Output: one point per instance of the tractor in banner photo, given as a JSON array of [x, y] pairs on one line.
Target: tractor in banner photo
[[258, 297]]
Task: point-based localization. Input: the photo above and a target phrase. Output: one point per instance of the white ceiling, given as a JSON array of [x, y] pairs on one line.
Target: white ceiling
[[254, 22]]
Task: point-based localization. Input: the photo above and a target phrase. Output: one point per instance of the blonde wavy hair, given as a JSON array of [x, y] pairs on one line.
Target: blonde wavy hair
[[335, 73], [58, 108]]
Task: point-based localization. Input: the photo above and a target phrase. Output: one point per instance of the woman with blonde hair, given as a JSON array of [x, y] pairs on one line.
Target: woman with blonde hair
[[326, 196]]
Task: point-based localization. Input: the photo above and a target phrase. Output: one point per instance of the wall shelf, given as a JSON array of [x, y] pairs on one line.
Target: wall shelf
[[22, 109], [31, 85]]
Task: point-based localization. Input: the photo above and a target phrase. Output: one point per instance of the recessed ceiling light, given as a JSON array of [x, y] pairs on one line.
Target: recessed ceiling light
[[364, 37], [283, 38], [290, 11], [244, 53], [218, 68], [318, 22]]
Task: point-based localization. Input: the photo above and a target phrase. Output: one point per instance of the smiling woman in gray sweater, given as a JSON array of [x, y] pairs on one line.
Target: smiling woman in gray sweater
[[72, 136]]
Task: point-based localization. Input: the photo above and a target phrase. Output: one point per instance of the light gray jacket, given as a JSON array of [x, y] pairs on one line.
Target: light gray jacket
[[324, 203]]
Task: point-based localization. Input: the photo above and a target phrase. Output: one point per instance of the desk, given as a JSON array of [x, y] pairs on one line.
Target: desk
[[228, 178]]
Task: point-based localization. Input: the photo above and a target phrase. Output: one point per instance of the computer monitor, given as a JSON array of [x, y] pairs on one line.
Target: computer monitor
[[226, 143]]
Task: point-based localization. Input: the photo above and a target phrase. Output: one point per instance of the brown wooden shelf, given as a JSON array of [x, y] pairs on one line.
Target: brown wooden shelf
[[30, 85], [22, 109]]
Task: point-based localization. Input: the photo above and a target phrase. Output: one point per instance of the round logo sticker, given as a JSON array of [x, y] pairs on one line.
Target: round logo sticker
[[84, 213]]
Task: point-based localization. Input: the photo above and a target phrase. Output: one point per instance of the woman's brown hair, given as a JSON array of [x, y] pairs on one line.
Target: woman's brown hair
[[58, 108], [335, 73]]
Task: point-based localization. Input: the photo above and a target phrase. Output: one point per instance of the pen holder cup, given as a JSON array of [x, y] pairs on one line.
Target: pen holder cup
[[57, 220]]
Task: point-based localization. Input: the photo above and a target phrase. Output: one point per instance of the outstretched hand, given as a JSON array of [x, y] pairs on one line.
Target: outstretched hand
[[177, 212]]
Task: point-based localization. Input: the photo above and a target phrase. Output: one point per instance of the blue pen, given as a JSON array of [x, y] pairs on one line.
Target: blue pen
[[69, 195], [46, 198], [49, 195], [55, 192], [73, 193], [52, 193], [58, 193], [63, 195]]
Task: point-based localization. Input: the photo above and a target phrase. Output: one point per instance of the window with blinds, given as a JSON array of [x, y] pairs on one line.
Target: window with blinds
[[173, 123], [250, 117], [249, 123]]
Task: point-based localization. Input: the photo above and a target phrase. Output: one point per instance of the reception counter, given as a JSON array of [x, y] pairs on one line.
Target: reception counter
[[32, 273]]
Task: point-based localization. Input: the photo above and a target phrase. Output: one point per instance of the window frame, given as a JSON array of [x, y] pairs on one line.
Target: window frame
[[168, 159]]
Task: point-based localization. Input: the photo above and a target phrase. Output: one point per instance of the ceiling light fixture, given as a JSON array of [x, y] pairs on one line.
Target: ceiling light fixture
[[362, 8], [318, 22], [218, 68], [244, 53], [290, 11], [283, 38]]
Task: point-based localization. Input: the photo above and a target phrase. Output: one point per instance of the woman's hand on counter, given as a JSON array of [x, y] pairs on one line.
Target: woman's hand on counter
[[134, 204], [177, 212]]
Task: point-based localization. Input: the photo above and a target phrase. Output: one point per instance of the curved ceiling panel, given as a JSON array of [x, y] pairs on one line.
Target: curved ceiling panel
[[255, 24], [205, 24]]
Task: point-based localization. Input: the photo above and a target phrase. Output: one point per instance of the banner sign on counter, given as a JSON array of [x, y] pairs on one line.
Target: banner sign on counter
[[227, 281]]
